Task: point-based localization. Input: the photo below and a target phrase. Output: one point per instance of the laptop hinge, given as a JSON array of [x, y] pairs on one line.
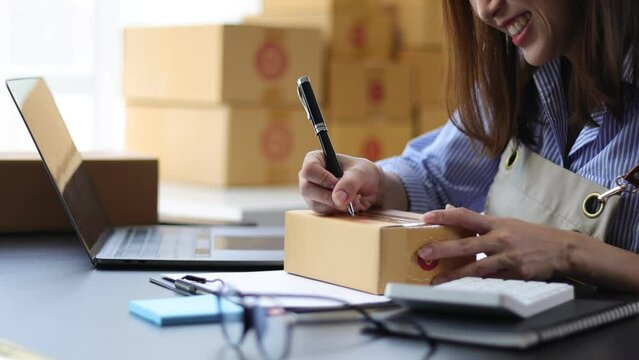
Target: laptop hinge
[[99, 244]]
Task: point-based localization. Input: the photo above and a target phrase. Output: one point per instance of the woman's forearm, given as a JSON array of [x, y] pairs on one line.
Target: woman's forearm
[[393, 194], [604, 265]]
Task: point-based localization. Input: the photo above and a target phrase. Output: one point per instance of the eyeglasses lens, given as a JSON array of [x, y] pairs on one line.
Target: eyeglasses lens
[[273, 327], [232, 315]]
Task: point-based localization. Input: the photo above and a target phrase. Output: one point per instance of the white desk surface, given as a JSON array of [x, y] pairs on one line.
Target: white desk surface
[[206, 204]]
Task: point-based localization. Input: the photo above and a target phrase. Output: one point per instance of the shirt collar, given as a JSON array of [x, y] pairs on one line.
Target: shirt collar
[[552, 70], [628, 68], [554, 105], [549, 85]]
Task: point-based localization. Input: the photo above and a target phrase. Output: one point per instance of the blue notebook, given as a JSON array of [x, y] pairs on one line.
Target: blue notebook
[[178, 310]]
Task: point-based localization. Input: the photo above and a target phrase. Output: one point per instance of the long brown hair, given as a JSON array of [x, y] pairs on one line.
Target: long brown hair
[[488, 77]]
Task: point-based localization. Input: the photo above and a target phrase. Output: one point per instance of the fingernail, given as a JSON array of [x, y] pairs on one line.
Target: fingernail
[[449, 206], [429, 217], [424, 252], [341, 196]]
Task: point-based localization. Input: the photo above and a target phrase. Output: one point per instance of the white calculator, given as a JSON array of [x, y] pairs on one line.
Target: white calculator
[[477, 295]]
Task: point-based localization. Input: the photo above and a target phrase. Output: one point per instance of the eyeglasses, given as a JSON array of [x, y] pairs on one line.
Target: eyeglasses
[[267, 314], [273, 323]]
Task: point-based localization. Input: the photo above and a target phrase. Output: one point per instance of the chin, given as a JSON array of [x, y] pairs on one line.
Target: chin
[[535, 58]]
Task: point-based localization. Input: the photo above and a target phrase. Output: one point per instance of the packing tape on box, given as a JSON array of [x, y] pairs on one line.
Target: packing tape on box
[[391, 217]]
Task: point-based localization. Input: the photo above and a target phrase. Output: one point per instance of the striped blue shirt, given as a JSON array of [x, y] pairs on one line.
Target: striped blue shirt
[[443, 166]]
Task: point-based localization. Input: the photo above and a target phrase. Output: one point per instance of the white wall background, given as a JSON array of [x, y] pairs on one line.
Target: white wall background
[[76, 45]]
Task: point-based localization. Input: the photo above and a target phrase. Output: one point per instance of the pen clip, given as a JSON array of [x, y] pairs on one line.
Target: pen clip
[[169, 287], [197, 279], [300, 94], [196, 288], [185, 286]]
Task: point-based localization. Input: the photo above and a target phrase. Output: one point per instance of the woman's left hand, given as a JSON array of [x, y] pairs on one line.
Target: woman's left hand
[[514, 248]]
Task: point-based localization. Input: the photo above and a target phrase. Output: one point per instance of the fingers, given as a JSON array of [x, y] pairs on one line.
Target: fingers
[[320, 188], [508, 274], [316, 193], [469, 246], [347, 188], [316, 183], [314, 170], [462, 217], [482, 268], [320, 208], [456, 248], [463, 247]]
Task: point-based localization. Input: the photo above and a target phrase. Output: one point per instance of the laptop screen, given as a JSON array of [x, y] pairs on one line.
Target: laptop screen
[[61, 158]]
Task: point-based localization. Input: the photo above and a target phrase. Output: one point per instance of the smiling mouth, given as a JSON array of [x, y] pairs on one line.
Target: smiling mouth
[[519, 24]]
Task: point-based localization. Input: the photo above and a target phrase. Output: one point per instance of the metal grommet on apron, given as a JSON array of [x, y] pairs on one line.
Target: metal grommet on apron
[[595, 203], [592, 207], [534, 189], [512, 159]]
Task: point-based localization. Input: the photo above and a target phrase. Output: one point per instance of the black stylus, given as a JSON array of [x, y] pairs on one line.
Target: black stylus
[[314, 114]]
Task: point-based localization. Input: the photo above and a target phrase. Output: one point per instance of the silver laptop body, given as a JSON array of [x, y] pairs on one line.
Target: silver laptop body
[[220, 246]]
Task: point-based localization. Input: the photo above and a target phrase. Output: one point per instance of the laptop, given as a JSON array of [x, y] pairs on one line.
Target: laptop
[[154, 245]]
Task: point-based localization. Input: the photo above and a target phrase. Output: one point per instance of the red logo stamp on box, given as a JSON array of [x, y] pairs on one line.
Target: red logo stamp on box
[[372, 149], [277, 141], [271, 61], [427, 265], [358, 35], [376, 92]]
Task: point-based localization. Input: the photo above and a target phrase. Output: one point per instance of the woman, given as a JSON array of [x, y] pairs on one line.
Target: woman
[[547, 116]]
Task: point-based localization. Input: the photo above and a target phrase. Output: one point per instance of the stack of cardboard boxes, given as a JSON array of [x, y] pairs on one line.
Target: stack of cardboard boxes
[[384, 68], [368, 109], [421, 24], [217, 104]]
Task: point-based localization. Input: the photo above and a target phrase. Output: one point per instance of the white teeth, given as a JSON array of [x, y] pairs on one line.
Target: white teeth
[[519, 24]]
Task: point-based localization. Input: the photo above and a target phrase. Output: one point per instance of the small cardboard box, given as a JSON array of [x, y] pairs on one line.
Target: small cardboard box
[[323, 22], [362, 90], [366, 251], [223, 145], [364, 32], [420, 22], [427, 77], [231, 64], [372, 140], [296, 7], [355, 29], [126, 184]]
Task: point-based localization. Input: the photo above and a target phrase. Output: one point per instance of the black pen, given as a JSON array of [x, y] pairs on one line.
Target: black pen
[[188, 285], [307, 97]]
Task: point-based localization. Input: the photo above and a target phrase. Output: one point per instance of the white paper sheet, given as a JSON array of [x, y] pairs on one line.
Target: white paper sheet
[[281, 282]]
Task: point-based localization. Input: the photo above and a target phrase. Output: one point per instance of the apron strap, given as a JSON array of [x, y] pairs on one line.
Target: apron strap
[[632, 176]]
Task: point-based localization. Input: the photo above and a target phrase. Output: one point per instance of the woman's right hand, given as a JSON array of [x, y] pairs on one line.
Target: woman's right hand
[[362, 184]]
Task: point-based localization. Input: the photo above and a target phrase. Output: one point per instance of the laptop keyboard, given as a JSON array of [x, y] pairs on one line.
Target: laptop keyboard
[[143, 243]]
